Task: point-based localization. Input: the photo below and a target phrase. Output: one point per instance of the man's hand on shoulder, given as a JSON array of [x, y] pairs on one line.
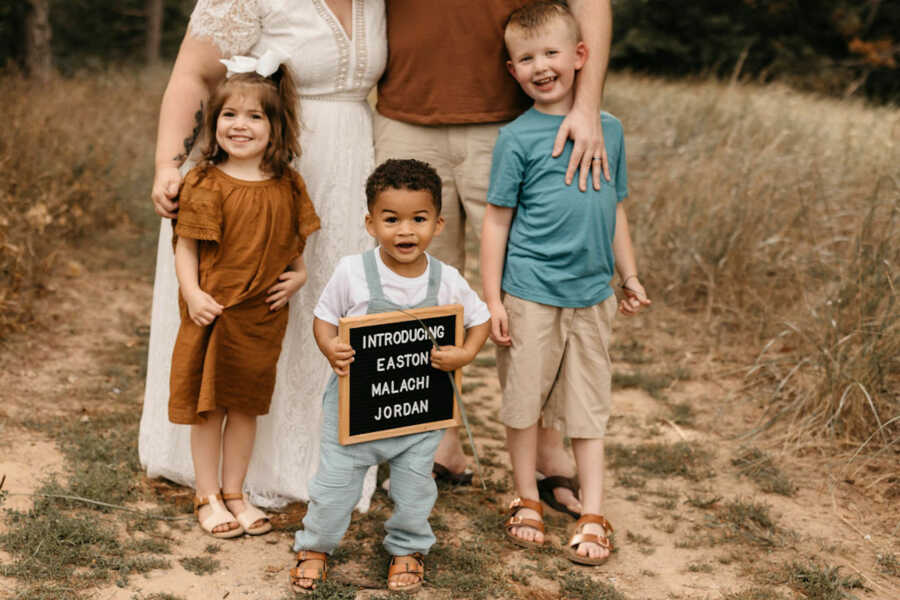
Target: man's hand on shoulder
[[586, 132]]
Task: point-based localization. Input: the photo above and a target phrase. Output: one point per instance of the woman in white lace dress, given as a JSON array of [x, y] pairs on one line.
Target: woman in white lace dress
[[337, 50]]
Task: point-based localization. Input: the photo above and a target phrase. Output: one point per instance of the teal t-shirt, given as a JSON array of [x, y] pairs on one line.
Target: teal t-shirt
[[560, 241]]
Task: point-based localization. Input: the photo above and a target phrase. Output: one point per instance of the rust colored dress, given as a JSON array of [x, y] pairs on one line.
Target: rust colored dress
[[248, 233]]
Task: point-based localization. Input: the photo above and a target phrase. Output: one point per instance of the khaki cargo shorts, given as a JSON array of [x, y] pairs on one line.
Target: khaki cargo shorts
[[558, 366]]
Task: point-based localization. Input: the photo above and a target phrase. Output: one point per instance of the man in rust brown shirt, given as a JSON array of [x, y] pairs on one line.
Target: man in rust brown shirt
[[444, 95]]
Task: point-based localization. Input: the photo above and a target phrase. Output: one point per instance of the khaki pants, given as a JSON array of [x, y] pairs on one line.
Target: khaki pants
[[461, 154]]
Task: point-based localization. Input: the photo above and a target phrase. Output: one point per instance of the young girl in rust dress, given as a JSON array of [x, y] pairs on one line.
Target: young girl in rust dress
[[243, 219]]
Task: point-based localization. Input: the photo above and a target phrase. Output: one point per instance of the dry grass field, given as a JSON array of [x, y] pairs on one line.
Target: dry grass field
[[754, 446]]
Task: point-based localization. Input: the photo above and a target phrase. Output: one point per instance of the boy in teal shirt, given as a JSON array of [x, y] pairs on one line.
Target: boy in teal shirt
[[548, 255]]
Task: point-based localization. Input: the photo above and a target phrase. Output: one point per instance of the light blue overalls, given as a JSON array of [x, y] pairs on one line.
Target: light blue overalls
[[337, 485]]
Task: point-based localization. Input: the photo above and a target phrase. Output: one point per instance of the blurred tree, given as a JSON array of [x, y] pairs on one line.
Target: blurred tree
[[38, 56], [93, 33], [154, 12], [833, 46], [12, 31]]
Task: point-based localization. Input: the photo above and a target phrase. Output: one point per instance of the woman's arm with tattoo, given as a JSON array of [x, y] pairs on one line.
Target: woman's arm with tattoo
[[197, 70]]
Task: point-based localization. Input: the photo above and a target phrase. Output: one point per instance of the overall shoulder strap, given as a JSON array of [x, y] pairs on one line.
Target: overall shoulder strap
[[373, 279], [434, 280]]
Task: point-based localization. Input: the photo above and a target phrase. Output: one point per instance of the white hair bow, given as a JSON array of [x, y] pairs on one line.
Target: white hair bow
[[265, 65]]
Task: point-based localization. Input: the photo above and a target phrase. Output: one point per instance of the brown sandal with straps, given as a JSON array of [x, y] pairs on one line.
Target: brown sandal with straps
[[516, 521], [590, 538], [253, 520], [411, 564], [218, 516], [313, 574]]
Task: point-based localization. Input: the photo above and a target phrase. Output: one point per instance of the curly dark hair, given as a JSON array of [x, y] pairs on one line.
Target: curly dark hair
[[404, 174]]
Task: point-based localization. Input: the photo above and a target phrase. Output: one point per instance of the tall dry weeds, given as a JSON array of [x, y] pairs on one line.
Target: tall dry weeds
[[768, 215], [78, 149], [772, 217]]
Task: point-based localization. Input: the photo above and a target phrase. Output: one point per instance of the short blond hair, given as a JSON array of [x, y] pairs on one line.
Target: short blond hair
[[532, 17]]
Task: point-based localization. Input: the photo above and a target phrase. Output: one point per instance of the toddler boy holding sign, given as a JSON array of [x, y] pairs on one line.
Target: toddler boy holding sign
[[404, 203]]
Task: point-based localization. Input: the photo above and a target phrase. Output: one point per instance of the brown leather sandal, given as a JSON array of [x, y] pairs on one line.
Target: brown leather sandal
[[219, 515], [314, 574], [516, 521], [253, 520], [412, 564], [580, 538]]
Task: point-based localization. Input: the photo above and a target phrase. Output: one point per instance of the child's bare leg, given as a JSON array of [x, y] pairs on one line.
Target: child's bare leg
[[589, 458], [552, 459], [450, 452], [237, 448], [522, 447], [206, 440]]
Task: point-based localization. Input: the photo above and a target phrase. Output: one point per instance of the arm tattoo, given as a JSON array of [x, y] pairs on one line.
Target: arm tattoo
[[192, 139]]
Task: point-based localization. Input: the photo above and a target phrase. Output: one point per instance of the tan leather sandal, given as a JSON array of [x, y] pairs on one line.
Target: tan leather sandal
[[411, 564], [315, 574], [219, 515], [515, 520], [591, 538], [250, 515]]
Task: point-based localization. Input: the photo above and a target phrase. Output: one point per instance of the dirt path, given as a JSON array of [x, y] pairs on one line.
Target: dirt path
[[688, 523]]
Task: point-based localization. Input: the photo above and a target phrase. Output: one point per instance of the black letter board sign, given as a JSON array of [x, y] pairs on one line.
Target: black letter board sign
[[392, 389]]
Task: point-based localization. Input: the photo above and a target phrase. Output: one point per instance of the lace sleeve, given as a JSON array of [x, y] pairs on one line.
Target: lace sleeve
[[234, 26]]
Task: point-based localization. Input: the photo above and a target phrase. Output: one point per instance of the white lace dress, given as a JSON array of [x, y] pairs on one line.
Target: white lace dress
[[335, 73]]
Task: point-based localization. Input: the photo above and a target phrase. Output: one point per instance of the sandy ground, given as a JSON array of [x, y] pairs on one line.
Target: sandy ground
[[90, 314]]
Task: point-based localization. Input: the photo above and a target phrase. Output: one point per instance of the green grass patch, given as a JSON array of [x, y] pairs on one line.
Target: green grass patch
[[754, 593], [646, 544], [575, 586], [682, 413], [653, 384], [667, 504], [48, 543], [46, 591], [101, 455], [888, 564], [468, 570], [680, 459], [59, 551], [749, 522], [702, 501], [758, 466], [200, 565], [149, 546], [331, 590], [821, 582]]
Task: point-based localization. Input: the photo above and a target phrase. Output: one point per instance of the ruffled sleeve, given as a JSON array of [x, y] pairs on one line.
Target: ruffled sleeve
[[234, 26], [199, 210], [307, 219]]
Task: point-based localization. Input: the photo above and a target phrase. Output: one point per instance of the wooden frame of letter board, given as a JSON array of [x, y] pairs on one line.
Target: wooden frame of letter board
[[348, 323]]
